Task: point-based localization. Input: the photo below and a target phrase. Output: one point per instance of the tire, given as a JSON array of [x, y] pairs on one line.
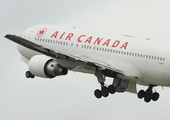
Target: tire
[[105, 91], [111, 89], [97, 93], [148, 93], [147, 99], [32, 76], [27, 74], [141, 94], [155, 96]]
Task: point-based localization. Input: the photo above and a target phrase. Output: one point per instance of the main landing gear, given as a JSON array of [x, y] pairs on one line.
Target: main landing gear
[[148, 95], [105, 90], [28, 74]]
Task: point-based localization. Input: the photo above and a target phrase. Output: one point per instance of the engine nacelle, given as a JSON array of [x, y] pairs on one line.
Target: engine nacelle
[[123, 85], [46, 67]]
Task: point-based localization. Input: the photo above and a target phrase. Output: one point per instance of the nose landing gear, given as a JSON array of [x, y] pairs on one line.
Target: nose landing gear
[[28, 74]]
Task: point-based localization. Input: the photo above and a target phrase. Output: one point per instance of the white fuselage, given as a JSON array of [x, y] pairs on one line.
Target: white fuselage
[[142, 60]]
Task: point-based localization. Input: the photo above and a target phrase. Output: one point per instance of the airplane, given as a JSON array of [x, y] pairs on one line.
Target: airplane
[[52, 51]]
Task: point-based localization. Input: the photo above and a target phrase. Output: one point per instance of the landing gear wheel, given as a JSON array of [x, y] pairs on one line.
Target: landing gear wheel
[[141, 94], [28, 74], [155, 96], [147, 99], [105, 91], [98, 93], [148, 93], [111, 89], [32, 76]]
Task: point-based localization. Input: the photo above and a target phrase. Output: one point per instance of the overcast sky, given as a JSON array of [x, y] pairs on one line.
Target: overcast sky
[[71, 97]]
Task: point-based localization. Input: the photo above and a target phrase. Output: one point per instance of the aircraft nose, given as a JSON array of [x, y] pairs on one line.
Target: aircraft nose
[[19, 48]]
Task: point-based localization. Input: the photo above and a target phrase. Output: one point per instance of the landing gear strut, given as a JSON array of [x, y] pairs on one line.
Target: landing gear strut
[[148, 95], [28, 74], [104, 89]]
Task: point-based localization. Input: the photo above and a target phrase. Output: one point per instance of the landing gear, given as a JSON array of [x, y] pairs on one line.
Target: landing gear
[[112, 89], [148, 95], [98, 93], [104, 89], [28, 74], [122, 85]]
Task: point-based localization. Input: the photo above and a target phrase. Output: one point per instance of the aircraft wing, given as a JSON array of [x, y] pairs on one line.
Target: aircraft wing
[[59, 54]]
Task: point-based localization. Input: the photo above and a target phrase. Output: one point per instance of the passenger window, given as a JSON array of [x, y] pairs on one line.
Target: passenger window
[[119, 52]]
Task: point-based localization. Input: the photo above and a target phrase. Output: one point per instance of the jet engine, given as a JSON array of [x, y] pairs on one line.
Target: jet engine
[[46, 67]]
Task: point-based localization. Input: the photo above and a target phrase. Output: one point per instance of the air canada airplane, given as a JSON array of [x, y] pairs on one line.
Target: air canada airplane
[[51, 51]]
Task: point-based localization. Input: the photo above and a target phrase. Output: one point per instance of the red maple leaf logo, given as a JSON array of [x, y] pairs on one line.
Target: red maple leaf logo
[[41, 32]]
